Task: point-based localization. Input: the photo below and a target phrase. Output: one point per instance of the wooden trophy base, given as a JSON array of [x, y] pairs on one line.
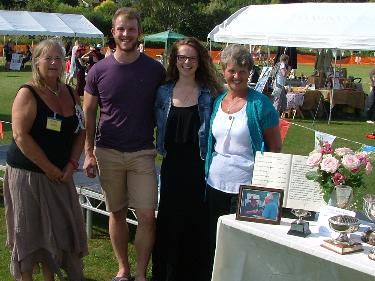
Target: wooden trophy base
[[341, 249]]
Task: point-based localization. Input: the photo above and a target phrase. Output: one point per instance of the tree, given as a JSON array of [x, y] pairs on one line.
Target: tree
[[42, 5]]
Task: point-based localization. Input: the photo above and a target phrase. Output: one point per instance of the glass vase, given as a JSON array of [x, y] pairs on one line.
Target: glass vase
[[341, 196]]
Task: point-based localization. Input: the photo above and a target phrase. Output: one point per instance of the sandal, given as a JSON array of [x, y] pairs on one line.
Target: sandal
[[129, 278]]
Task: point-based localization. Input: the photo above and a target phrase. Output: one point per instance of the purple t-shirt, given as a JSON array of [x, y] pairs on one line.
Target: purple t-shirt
[[126, 97]]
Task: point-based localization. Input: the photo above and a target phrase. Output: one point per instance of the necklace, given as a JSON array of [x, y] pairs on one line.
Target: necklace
[[232, 103], [55, 92]]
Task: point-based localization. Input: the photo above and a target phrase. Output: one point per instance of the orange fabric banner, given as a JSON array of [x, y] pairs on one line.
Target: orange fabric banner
[[284, 127]]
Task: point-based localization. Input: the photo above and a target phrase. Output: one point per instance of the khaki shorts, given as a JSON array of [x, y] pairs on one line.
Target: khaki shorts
[[128, 179]]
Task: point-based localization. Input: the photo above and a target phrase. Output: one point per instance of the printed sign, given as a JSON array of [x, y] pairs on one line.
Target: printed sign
[[266, 71], [16, 61]]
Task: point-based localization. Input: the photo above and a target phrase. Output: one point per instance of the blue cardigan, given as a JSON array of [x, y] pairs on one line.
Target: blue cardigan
[[261, 115]]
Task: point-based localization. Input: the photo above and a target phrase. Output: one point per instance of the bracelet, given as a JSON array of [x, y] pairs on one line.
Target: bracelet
[[74, 163]]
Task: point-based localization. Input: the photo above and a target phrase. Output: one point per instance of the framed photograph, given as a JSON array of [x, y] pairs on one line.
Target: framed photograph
[[259, 204]]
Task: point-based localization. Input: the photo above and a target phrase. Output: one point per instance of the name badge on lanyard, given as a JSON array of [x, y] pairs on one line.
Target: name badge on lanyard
[[53, 123]]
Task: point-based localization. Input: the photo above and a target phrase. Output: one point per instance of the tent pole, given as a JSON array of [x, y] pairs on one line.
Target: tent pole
[[333, 87]]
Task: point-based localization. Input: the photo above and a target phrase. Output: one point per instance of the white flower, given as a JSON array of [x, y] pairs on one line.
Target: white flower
[[314, 159], [330, 164], [341, 151], [351, 162]]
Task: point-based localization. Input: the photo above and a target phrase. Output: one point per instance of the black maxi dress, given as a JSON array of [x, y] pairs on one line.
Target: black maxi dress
[[181, 247]]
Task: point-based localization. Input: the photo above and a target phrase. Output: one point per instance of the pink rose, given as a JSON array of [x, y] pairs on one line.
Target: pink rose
[[368, 168], [350, 162], [356, 170], [314, 159], [338, 178], [326, 148], [341, 151], [330, 164], [363, 158]]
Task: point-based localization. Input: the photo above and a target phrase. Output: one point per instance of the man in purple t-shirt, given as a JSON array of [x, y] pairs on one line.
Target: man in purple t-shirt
[[123, 85]]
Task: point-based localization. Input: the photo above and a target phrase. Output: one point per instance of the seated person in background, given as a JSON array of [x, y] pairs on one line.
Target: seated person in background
[[27, 56]]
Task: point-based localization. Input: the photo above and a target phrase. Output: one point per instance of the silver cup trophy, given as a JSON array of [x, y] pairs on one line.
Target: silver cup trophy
[[344, 225], [369, 235], [300, 227]]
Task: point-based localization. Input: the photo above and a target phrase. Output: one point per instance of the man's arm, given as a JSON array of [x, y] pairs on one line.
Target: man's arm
[[90, 106]]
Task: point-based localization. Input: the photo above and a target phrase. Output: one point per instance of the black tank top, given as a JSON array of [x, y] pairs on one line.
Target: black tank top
[[56, 145]]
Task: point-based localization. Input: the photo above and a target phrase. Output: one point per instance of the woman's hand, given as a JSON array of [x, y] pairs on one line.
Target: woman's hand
[[68, 173], [54, 174]]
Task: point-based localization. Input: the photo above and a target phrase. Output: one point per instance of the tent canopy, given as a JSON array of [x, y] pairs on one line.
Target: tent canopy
[[48, 24], [306, 25], [167, 37]]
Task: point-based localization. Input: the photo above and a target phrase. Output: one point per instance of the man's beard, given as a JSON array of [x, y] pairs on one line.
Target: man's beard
[[130, 49]]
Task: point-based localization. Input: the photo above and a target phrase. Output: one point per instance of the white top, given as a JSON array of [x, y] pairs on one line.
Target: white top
[[233, 160]]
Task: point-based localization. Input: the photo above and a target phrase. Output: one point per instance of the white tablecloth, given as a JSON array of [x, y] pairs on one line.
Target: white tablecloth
[[249, 251], [294, 100]]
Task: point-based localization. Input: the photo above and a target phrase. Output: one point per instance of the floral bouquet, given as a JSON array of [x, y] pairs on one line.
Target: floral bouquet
[[340, 166]]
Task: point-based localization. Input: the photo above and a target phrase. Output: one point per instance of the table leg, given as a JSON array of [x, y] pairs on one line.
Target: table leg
[[299, 112]]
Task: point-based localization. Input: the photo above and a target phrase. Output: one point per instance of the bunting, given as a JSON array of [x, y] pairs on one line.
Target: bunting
[[320, 136], [284, 127]]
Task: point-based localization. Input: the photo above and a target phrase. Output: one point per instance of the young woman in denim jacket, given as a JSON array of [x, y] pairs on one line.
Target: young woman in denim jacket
[[182, 112]]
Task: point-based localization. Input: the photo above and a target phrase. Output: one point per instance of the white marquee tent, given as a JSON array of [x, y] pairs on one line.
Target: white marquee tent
[[47, 24], [345, 26], [348, 26]]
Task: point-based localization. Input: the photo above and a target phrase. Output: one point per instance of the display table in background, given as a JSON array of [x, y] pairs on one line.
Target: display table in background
[[353, 98], [313, 99], [248, 251]]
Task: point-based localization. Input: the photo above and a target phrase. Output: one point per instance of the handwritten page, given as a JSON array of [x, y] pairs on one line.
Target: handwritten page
[[272, 170], [288, 172], [303, 193]]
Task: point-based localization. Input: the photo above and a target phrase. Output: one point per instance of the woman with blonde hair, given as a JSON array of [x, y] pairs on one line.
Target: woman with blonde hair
[[43, 214]]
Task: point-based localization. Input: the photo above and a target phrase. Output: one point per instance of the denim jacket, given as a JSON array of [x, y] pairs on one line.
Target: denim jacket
[[162, 107]]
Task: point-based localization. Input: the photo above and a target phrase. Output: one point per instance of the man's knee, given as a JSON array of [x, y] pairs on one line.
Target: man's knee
[[118, 215], [146, 217]]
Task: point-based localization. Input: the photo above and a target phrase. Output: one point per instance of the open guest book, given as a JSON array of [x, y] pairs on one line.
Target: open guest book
[[288, 172]]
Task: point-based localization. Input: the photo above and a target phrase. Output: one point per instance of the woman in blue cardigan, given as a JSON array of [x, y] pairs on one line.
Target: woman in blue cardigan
[[243, 121]]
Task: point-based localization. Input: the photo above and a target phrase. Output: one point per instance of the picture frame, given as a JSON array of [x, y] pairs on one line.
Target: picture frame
[[259, 204]]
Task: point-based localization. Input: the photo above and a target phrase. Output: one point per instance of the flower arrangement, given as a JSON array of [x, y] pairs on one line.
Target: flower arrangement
[[340, 166]]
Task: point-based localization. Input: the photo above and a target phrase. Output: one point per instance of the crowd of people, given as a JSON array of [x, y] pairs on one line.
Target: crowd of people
[[207, 134]]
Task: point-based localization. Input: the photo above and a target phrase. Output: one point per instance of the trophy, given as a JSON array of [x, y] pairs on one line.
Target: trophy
[[344, 225], [369, 235], [300, 227]]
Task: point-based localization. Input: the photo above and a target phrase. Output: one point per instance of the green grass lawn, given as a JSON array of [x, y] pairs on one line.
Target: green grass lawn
[[100, 265]]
